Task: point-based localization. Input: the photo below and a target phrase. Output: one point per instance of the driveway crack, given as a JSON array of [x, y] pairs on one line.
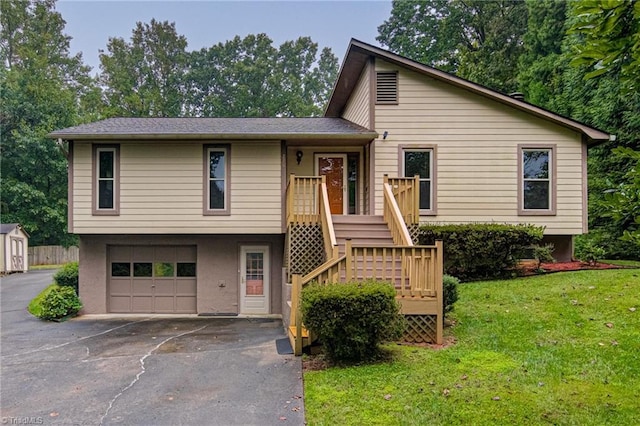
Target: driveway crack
[[143, 369], [49, 348]]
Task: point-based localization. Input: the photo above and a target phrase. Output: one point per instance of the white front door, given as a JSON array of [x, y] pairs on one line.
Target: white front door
[[254, 280]]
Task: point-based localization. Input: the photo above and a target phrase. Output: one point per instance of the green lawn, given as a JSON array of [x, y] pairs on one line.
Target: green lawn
[[562, 349]]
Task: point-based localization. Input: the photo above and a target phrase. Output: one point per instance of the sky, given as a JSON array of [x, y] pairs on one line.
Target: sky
[[204, 23]]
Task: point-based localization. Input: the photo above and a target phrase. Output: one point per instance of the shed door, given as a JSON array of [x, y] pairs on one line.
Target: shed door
[[152, 279], [17, 254]]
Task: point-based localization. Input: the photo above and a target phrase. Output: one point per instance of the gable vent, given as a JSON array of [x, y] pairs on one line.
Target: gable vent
[[387, 87]]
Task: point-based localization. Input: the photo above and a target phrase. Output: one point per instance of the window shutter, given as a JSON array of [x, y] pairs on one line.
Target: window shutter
[[387, 87]]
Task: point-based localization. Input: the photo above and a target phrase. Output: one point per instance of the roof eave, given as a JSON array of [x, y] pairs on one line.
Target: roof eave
[[210, 136]]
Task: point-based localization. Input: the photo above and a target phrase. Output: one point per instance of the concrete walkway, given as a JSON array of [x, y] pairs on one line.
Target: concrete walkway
[[142, 371]]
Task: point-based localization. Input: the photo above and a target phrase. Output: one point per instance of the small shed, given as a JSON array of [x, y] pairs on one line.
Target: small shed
[[13, 248]]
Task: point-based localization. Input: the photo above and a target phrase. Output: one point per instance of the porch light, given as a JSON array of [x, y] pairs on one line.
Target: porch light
[[385, 134], [299, 155]]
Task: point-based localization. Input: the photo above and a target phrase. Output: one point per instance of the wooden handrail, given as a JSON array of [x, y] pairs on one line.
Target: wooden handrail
[[393, 217], [328, 233], [406, 191]]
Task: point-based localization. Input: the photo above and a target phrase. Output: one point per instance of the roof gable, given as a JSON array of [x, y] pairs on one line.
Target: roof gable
[[359, 53]]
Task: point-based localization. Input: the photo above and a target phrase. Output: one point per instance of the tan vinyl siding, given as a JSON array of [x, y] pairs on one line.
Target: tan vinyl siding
[[357, 108], [477, 141], [161, 190]]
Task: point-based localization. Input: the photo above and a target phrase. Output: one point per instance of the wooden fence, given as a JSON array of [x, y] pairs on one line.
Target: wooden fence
[[52, 255]]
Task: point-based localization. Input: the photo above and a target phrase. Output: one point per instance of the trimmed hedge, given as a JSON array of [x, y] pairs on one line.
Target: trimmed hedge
[[67, 276], [352, 319], [57, 303], [481, 251]]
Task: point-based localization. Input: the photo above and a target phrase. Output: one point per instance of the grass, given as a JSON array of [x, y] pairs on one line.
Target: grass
[[38, 267], [555, 349], [630, 263], [35, 306]]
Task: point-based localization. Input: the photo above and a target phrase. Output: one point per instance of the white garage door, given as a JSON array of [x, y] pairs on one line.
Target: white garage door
[[152, 279]]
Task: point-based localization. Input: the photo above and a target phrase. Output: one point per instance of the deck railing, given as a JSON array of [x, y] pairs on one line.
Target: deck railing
[[406, 191], [393, 216], [308, 204]]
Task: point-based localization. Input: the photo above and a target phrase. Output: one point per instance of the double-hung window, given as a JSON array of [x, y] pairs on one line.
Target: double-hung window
[[420, 161], [106, 180], [216, 180], [536, 169]]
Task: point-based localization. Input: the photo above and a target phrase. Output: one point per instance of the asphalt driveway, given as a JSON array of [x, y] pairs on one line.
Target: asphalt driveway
[[142, 371]]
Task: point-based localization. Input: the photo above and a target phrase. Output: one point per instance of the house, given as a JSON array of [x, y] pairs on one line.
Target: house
[[223, 216], [14, 245]]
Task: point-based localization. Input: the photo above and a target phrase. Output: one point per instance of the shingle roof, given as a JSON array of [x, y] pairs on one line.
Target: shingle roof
[[217, 128], [359, 52], [6, 228]]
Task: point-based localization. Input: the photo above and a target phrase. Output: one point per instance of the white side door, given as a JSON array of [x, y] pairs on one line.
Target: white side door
[[254, 280]]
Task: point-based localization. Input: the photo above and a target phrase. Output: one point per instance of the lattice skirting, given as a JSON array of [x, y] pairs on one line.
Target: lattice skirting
[[420, 329], [305, 248], [414, 232]]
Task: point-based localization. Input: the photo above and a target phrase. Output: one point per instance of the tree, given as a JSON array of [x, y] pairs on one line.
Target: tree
[[542, 63], [476, 39], [43, 89], [251, 78], [611, 39], [623, 200], [145, 77]]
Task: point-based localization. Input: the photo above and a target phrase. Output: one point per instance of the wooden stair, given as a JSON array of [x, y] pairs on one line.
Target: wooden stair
[[363, 230]]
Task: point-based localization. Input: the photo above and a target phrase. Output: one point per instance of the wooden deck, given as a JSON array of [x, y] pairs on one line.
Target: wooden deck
[[415, 271]]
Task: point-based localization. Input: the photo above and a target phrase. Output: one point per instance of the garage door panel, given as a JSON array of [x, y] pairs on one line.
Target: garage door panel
[[165, 288], [120, 287], [142, 304], [185, 304], [142, 287], [164, 304], [186, 287], [120, 304]]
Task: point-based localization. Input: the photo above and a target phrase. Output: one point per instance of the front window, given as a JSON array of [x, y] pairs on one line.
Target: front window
[[106, 180], [217, 180], [536, 180], [420, 162]]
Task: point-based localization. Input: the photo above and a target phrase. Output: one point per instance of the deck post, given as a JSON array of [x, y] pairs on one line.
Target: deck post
[[297, 293], [439, 290], [349, 267]]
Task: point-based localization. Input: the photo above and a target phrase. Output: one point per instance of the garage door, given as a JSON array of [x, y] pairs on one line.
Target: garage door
[[152, 279]]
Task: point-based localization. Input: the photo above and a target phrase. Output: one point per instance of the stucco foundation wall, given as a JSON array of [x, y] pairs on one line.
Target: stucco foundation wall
[[218, 264]]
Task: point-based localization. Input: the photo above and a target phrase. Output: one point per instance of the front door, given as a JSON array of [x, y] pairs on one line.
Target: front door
[[254, 280], [334, 167]]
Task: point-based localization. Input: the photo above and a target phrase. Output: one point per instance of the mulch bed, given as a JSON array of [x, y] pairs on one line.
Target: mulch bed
[[529, 268]]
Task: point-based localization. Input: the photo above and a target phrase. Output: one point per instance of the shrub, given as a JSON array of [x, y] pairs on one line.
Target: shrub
[[59, 302], [543, 253], [67, 276], [481, 251], [352, 319], [591, 253], [450, 292]]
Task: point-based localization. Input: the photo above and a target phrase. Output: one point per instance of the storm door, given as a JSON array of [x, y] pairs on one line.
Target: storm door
[[254, 280]]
